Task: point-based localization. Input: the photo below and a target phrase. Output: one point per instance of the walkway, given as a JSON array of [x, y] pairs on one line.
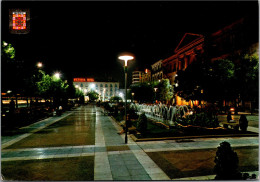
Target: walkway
[[84, 145]]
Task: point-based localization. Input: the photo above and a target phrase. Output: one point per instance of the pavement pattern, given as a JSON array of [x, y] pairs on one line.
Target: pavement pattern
[[83, 145]]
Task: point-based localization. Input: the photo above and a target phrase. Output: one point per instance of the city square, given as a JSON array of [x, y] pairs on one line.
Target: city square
[[99, 91]]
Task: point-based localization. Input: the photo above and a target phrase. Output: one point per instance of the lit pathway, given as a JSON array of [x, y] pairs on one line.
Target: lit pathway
[[75, 155], [125, 161]]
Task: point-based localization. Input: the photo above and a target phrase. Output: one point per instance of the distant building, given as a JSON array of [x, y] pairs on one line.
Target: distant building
[[106, 90], [136, 77], [146, 76], [232, 42], [157, 71], [240, 37]]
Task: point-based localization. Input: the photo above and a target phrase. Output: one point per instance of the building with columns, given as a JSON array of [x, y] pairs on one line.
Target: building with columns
[[190, 46], [106, 90]]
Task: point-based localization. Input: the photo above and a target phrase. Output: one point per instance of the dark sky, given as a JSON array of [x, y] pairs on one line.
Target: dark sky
[[85, 38]]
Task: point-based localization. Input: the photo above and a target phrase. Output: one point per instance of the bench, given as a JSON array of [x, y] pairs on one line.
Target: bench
[[232, 125]]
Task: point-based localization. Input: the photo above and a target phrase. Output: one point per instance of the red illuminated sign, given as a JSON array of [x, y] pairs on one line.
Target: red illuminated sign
[[79, 80], [19, 21], [90, 79], [83, 79]]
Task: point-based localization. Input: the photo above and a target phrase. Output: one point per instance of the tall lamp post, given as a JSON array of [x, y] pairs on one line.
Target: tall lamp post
[[126, 58], [155, 90], [133, 94]]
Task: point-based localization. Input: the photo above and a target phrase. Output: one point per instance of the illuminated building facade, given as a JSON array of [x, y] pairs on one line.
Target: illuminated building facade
[[190, 46], [232, 42], [136, 77], [240, 37], [106, 90], [157, 71], [146, 76]]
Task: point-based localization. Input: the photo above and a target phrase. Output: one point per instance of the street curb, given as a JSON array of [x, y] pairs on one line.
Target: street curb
[[190, 137]]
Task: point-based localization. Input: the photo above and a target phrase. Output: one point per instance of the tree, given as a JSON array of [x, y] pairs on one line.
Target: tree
[[115, 99], [143, 92], [92, 95], [190, 81], [10, 70], [247, 79], [49, 86], [211, 81], [165, 90], [219, 83]]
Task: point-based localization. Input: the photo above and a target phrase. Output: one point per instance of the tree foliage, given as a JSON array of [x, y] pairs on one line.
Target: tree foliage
[[210, 81], [115, 99], [49, 86], [165, 90], [92, 95], [8, 52], [247, 78], [143, 92]]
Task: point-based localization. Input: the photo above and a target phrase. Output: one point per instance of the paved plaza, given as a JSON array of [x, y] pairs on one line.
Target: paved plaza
[[84, 145]]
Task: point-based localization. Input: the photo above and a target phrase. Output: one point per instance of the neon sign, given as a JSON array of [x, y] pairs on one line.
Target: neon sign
[[79, 80], [90, 79], [19, 21], [83, 79]]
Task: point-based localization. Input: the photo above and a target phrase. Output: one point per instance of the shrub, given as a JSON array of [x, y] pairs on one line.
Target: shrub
[[132, 113], [226, 160], [142, 123], [199, 119]]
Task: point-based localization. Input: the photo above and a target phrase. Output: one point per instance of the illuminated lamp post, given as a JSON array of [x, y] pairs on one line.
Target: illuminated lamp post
[[155, 90], [39, 65], [104, 94], [57, 75], [126, 58], [133, 94]]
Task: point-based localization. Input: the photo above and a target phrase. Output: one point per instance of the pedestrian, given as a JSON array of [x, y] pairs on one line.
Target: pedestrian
[[229, 117], [124, 123], [243, 123], [11, 107]]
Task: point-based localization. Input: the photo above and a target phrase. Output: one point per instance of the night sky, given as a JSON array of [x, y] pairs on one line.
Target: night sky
[[84, 39]]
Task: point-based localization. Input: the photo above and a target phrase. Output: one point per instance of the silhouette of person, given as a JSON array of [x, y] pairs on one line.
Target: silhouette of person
[[11, 107]]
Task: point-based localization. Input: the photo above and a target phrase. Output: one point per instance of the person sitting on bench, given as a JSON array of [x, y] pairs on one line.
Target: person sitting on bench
[[123, 123]]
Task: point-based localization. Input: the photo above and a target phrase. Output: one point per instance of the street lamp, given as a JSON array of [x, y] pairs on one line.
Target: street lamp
[[92, 86], [39, 65], [104, 94], [126, 58], [155, 90], [57, 75], [133, 94]]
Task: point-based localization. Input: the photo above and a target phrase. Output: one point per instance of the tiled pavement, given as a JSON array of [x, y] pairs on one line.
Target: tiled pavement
[[113, 159]]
